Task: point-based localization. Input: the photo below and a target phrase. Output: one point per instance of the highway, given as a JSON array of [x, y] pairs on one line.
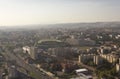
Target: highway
[[31, 70]]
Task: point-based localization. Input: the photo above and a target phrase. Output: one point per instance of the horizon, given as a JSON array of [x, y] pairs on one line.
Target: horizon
[[52, 25], [34, 12]]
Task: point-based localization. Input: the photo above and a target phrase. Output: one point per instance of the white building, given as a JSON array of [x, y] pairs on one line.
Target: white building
[[26, 49], [84, 74]]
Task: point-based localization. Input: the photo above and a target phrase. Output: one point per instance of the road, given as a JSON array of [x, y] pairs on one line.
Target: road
[[29, 68]]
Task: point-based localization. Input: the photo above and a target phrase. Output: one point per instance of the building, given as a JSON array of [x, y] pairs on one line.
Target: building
[[109, 57], [85, 57], [60, 51], [26, 49], [34, 52], [80, 42], [84, 74], [118, 66], [96, 60], [13, 73]]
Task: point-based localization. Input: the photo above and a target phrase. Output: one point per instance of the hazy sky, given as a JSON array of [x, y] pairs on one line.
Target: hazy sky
[[25, 12]]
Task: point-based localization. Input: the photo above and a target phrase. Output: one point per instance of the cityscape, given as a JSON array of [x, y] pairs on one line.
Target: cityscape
[[61, 52], [59, 39]]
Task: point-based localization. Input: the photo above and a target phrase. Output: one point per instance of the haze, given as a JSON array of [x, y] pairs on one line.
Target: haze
[[26, 12]]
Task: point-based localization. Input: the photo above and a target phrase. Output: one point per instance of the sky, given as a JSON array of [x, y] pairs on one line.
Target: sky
[[26, 12]]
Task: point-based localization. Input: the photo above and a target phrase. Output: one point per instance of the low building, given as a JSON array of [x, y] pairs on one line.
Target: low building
[[13, 73], [80, 42], [84, 74], [61, 51]]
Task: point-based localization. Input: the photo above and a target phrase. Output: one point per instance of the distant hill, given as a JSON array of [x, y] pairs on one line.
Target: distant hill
[[66, 25]]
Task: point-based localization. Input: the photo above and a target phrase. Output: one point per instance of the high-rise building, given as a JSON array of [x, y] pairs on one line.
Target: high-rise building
[[34, 53]]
